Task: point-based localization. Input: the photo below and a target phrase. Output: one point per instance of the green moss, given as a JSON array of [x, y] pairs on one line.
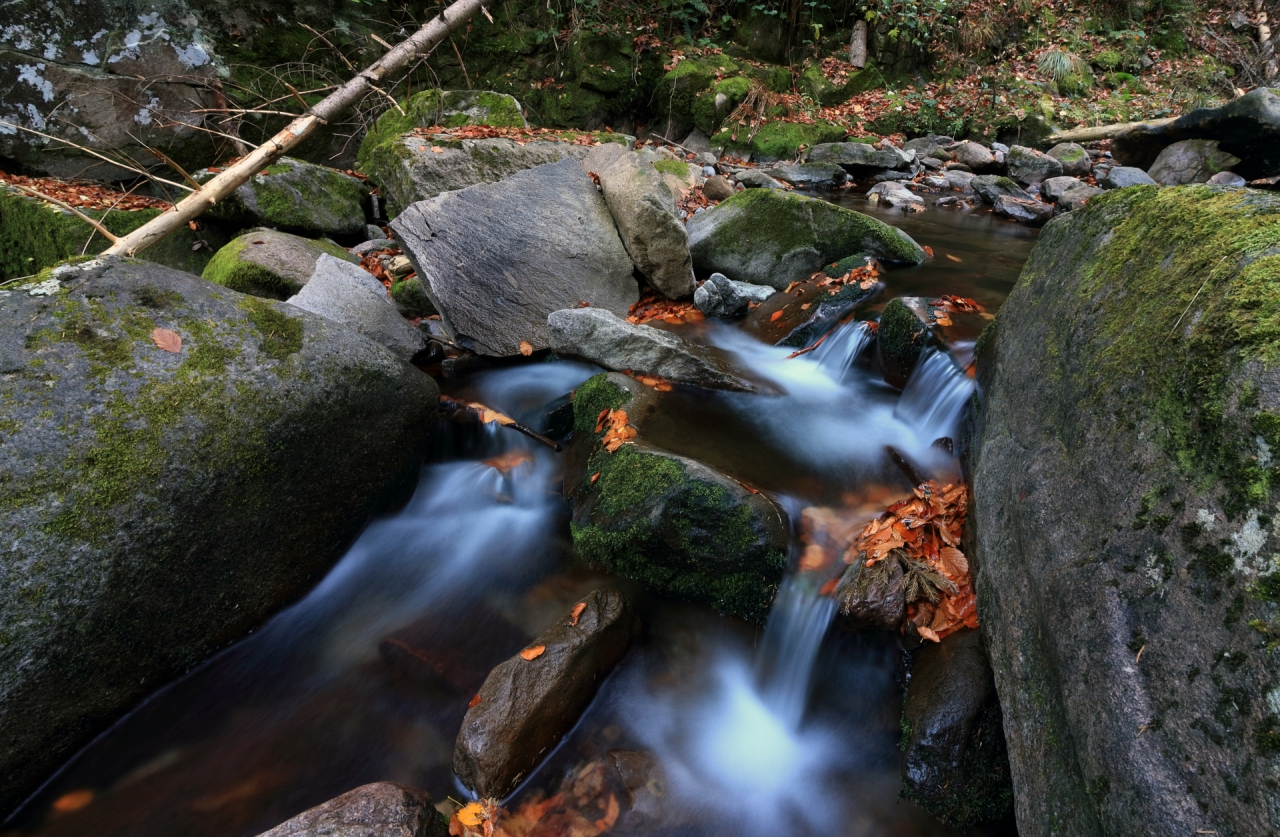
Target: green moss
[[779, 140], [593, 396], [280, 335], [229, 269], [676, 167], [630, 479]]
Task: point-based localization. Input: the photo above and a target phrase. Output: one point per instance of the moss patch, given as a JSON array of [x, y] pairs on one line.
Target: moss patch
[[280, 335], [779, 140]]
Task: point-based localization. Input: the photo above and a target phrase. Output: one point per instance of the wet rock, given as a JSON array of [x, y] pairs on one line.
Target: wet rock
[[990, 187], [1033, 213], [924, 146], [902, 337], [269, 264], [806, 313], [607, 340], [1190, 161], [1228, 178], [956, 765], [773, 238], [873, 598], [976, 157], [720, 296], [1077, 197], [1056, 187], [718, 188], [1027, 165], [559, 247], [161, 505], [808, 174], [960, 181], [297, 197], [527, 705], [674, 524], [646, 784], [382, 809], [894, 194], [644, 212], [756, 179], [1122, 177], [858, 157], [1073, 158], [346, 293], [1121, 675]]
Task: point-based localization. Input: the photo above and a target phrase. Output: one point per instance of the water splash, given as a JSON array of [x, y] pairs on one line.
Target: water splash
[[792, 637], [935, 398], [842, 348]]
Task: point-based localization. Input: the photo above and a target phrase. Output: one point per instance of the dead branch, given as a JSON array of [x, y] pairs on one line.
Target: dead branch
[[1100, 132]]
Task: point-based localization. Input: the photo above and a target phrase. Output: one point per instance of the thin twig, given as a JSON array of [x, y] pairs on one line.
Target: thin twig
[[102, 157], [1193, 299], [106, 233], [458, 53], [164, 158], [329, 43]]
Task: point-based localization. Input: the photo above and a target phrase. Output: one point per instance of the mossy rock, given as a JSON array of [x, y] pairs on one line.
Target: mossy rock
[[679, 527], [1124, 490], [704, 113], [814, 83], [685, 96], [163, 504], [902, 337], [778, 140], [35, 235], [268, 263], [296, 197], [774, 238]]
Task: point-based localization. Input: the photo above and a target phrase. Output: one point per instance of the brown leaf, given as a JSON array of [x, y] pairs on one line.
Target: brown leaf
[[526, 348], [595, 477], [533, 653], [73, 801], [475, 701], [507, 462], [168, 340], [577, 612]]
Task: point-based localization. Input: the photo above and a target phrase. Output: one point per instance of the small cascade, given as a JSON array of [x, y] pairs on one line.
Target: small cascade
[[842, 348], [935, 398], [792, 637]]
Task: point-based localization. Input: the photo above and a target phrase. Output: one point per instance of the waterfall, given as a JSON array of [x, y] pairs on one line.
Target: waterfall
[[935, 398], [842, 347], [792, 637]]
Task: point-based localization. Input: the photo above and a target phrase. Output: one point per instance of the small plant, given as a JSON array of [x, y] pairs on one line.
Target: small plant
[[1059, 64]]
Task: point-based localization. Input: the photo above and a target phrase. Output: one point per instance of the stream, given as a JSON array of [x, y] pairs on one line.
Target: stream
[[724, 728]]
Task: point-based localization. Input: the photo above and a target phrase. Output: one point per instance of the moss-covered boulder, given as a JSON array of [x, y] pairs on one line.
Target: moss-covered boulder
[[35, 235], [446, 108], [1123, 526], [828, 92], [297, 197], [268, 263], [687, 94], [681, 528], [158, 504], [778, 140], [769, 237]]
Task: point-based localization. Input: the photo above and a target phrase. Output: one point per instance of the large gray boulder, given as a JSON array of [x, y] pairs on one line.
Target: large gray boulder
[[991, 186], [644, 212], [528, 703], [498, 258], [268, 263], [382, 809], [346, 293], [1073, 158], [159, 505], [1122, 177], [720, 296], [1027, 165], [607, 340], [767, 237], [1124, 546], [297, 197], [859, 157], [1190, 161]]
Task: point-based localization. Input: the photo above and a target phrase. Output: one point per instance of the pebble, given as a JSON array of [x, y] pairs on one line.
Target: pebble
[[708, 171]]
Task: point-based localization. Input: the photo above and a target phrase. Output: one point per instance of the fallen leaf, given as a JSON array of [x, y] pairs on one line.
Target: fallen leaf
[[488, 415], [953, 258], [472, 814], [526, 348], [595, 477], [928, 249], [73, 801], [533, 653], [611, 814], [576, 612], [775, 316], [507, 462], [168, 340], [830, 587], [437, 149], [928, 633], [475, 701]]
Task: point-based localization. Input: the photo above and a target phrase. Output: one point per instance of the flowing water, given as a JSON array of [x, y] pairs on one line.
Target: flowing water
[[731, 730]]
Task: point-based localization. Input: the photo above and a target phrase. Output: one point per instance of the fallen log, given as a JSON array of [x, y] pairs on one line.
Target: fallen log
[[1101, 132], [348, 95]]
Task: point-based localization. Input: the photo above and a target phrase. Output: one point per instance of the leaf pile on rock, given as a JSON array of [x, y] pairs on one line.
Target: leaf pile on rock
[[475, 819], [85, 195], [518, 135], [917, 540], [652, 306], [616, 430], [583, 806]]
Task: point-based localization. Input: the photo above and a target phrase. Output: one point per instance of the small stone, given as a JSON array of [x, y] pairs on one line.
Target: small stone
[[373, 232], [991, 186], [1077, 197], [1073, 158], [706, 158], [708, 171], [372, 246], [972, 155], [721, 296], [1228, 178], [1056, 187], [1122, 177], [1027, 165], [756, 179], [718, 188], [894, 194]]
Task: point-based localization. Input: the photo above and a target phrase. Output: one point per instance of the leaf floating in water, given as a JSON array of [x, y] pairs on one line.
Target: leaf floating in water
[[507, 462], [653, 381], [73, 801], [773, 318], [533, 653], [168, 340], [576, 613]]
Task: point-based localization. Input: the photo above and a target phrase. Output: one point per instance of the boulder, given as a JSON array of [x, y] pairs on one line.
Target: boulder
[[720, 296], [1073, 158], [902, 337], [956, 765], [1077, 197], [718, 188], [382, 809], [1228, 178], [497, 258], [756, 179], [270, 264], [924, 146], [1030, 212], [1122, 177], [859, 157], [976, 157], [601, 156], [959, 181], [644, 212], [990, 186], [1124, 546], [894, 193], [697, 142], [1190, 161], [1056, 187], [870, 602], [1027, 165], [676, 525], [348, 294], [807, 174], [1247, 127], [528, 703], [607, 340], [160, 505], [296, 197], [773, 238]]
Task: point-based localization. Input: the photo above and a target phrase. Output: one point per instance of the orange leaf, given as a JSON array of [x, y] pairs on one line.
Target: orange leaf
[[533, 653], [928, 633], [488, 415], [168, 340], [475, 701], [953, 258], [775, 316], [73, 801], [577, 612], [829, 587], [595, 477], [928, 249], [526, 348], [437, 149], [954, 564], [507, 462]]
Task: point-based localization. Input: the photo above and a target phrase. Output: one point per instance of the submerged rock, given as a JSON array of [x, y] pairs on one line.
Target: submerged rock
[[297, 197], [679, 527], [498, 258], [382, 809], [956, 765], [1190, 161], [720, 296], [1122, 450], [529, 703], [269, 264], [346, 293], [773, 238], [160, 505], [645, 214], [607, 340]]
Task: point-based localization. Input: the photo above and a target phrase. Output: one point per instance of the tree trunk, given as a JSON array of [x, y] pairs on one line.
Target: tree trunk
[[1266, 46], [332, 106], [858, 45], [1100, 132]]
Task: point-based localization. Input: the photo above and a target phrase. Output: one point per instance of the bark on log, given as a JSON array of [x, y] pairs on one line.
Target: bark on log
[[347, 96], [858, 45], [1100, 132]]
